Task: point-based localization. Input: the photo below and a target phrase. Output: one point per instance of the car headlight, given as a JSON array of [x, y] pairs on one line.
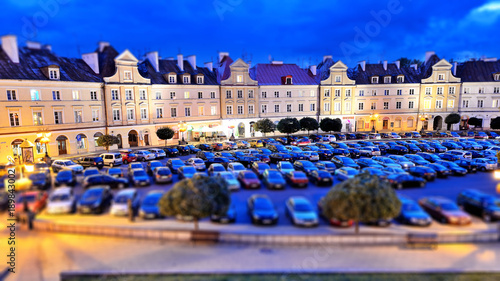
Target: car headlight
[[453, 219], [256, 217]]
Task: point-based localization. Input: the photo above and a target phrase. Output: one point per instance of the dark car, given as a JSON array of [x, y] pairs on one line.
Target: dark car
[[405, 180], [249, 179], [340, 136], [174, 164], [325, 154], [91, 161], [412, 214], [453, 167], [444, 211], [192, 149], [305, 166], [95, 200], [341, 151], [247, 161], [273, 179], [468, 165], [65, 177], [429, 156], [259, 167], [321, 177], [437, 147], [204, 147], [228, 217], [105, 180], [171, 151], [183, 149], [480, 204], [327, 166], [342, 161], [39, 180], [297, 156], [297, 178], [205, 155], [361, 136], [451, 145], [350, 136], [412, 148], [441, 171], [423, 172], [261, 210], [448, 156], [426, 148], [149, 207], [277, 157], [217, 160], [186, 172], [367, 162], [397, 149], [277, 148], [152, 165], [416, 159]]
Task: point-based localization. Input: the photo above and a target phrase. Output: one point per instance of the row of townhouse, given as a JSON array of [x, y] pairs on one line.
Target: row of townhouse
[[106, 92]]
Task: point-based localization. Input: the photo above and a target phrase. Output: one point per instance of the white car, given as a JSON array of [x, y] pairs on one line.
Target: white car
[[369, 151], [231, 180], [159, 153], [112, 159], [61, 201], [235, 168], [198, 163], [284, 167], [215, 169], [144, 155], [120, 202], [59, 165], [330, 137], [311, 155], [301, 212]]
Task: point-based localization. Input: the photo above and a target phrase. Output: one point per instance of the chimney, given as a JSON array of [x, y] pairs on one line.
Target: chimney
[[362, 64], [170, 58], [326, 57], [192, 61], [33, 45], [102, 45], [428, 55], [47, 47], [9, 46], [92, 60], [455, 68], [180, 62], [414, 66], [398, 64], [277, 62], [312, 68], [489, 59], [385, 65], [210, 66], [153, 59], [249, 64], [222, 55]]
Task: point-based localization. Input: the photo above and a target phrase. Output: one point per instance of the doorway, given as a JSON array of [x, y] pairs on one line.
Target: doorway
[[385, 124], [62, 145], [132, 138]]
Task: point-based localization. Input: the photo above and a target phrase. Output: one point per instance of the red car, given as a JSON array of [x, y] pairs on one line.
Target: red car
[[333, 221], [128, 157], [249, 179], [303, 141], [445, 211], [297, 178], [36, 201], [217, 146]]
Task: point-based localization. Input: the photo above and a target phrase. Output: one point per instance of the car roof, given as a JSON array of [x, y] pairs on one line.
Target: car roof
[[62, 190], [128, 191], [299, 199]]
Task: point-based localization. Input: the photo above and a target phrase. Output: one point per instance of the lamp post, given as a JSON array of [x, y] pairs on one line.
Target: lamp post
[[374, 117], [45, 140], [182, 129]]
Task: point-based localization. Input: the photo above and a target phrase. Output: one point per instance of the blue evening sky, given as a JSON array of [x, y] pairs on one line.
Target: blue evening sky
[[293, 31]]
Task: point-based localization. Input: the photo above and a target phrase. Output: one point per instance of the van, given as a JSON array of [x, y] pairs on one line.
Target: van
[[112, 159]]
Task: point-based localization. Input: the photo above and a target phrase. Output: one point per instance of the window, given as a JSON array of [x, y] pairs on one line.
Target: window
[[127, 75], [374, 80], [159, 112], [114, 95], [387, 80], [58, 117], [14, 119], [466, 90], [288, 80], [264, 108], [201, 110], [95, 115], [348, 92], [386, 105], [411, 104], [440, 77], [200, 95], [399, 92], [185, 79], [199, 79], [76, 95], [172, 95], [276, 94], [451, 103], [313, 107], [312, 93], [213, 110], [212, 95], [130, 114], [240, 109], [398, 105], [397, 123], [386, 92], [409, 123], [78, 116], [53, 74], [144, 113], [428, 91], [337, 92], [276, 108], [439, 104], [288, 94], [496, 77], [373, 105], [336, 106], [451, 90], [250, 94], [439, 90], [301, 107], [496, 103], [35, 95], [401, 79], [481, 90], [187, 111], [480, 103], [361, 93], [250, 109], [116, 115], [361, 106], [465, 103], [229, 109], [239, 93], [427, 104], [56, 95], [186, 95], [288, 108], [171, 79], [93, 95], [327, 92], [327, 107], [337, 78], [173, 112], [158, 95], [229, 94], [264, 95], [11, 95], [496, 90], [412, 92], [347, 106], [239, 78], [128, 94], [142, 95], [374, 92]]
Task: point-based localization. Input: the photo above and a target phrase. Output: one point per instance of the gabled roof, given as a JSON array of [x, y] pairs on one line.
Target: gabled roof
[[478, 71], [223, 70], [364, 77], [107, 67], [169, 66], [31, 62], [271, 74], [426, 68], [323, 69]]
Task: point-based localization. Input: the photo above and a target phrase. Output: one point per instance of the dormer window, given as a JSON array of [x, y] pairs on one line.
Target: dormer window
[[199, 80], [288, 81], [185, 79], [374, 80], [171, 79], [337, 78], [53, 74], [387, 80], [239, 78], [127, 75], [496, 77], [401, 79], [440, 77]]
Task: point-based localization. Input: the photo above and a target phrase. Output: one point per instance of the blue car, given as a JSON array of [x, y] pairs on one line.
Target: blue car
[[262, 210], [95, 200], [345, 173], [149, 208], [412, 214], [174, 164], [65, 177]]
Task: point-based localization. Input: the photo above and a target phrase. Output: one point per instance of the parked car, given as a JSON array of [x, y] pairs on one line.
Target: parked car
[[416, 159], [193, 149], [112, 159], [160, 153], [149, 208], [226, 155], [132, 166], [108, 180], [247, 161], [186, 172], [468, 165], [144, 155], [284, 167], [183, 149], [403, 161], [297, 178], [215, 169], [171, 151], [345, 173], [152, 165], [59, 165], [39, 180], [480, 204], [332, 221], [277, 157], [444, 211], [204, 147], [92, 171], [256, 143], [326, 166], [249, 179], [386, 161], [36, 201], [342, 161], [261, 209], [453, 167], [242, 144], [61, 201], [91, 161], [301, 212], [120, 206], [441, 171], [397, 149], [273, 179], [305, 166], [423, 172], [369, 151], [367, 162], [230, 179], [197, 163], [65, 177], [205, 155], [229, 145], [401, 180], [321, 177], [162, 175], [174, 164], [259, 167], [429, 156], [229, 217], [412, 214], [95, 200], [484, 164]]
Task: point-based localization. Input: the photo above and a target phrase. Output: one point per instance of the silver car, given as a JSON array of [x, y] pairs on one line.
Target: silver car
[[59, 165], [301, 212], [231, 180], [159, 153], [198, 163]]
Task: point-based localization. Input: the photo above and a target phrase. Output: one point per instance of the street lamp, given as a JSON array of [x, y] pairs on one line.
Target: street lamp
[[374, 117], [45, 140], [182, 129]]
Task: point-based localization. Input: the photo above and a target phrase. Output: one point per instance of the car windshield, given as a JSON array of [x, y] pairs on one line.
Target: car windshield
[[59, 197], [449, 207], [92, 195], [226, 154], [302, 207], [263, 204], [69, 163], [177, 162], [489, 161], [209, 154], [263, 166], [410, 207], [192, 170], [346, 160], [122, 198], [151, 200], [146, 152], [163, 172], [329, 165], [274, 175], [388, 160], [140, 173], [228, 176], [28, 198], [218, 168], [112, 171], [250, 175], [352, 172], [299, 175], [37, 176], [286, 166], [136, 166]]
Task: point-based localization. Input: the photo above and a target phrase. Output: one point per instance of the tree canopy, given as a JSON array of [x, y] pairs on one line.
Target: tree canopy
[[107, 141], [165, 134], [309, 124], [406, 62], [495, 123], [473, 121], [330, 125], [452, 118], [264, 126], [364, 198], [288, 126], [198, 197]]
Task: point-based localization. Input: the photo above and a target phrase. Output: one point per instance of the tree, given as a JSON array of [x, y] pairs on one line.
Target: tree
[[198, 197], [288, 126], [309, 124], [107, 141], [473, 121], [406, 62], [329, 124], [364, 198], [165, 134], [264, 126], [495, 123], [452, 118]]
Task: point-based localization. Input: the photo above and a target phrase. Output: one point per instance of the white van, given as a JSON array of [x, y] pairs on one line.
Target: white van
[[112, 159]]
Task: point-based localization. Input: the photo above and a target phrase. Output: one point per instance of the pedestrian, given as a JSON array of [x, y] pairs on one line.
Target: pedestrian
[[131, 213], [28, 215]]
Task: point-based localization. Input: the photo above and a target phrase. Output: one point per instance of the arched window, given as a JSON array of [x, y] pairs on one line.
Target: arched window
[[40, 148], [81, 141], [96, 136], [16, 149]]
